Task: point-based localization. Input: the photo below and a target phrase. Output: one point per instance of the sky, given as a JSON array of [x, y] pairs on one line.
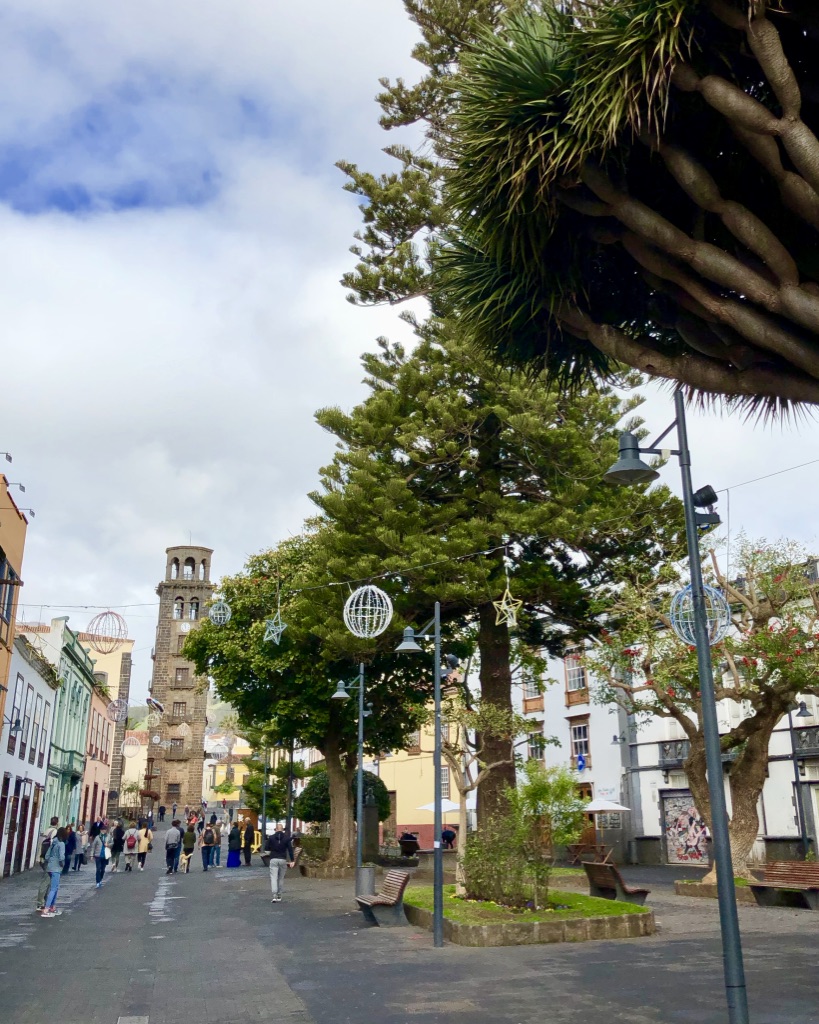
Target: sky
[[172, 234]]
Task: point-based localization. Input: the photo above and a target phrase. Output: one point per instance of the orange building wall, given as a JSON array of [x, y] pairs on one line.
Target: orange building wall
[[13, 525]]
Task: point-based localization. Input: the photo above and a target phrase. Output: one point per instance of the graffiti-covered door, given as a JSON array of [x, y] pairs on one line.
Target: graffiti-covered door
[[685, 831]]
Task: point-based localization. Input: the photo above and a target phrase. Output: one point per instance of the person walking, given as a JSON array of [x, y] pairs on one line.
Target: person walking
[[162, 812], [54, 861], [216, 855], [187, 812], [130, 844], [188, 846], [280, 848], [151, 818], [173, 837], [173, 809], [144, 845], [207, 841], [234, 859], [81, 841], [46, 839], [70, 846], [117, 846], [100, 851], [247, 844]]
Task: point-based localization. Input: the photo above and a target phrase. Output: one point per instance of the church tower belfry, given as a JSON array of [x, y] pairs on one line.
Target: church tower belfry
[[176, 762]]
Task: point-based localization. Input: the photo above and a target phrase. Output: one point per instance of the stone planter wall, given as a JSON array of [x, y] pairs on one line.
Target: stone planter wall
[[320, 869], [707, 890], [525, 933]]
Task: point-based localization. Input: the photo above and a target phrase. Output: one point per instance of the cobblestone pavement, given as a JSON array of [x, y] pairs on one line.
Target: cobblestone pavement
[[211, 949]]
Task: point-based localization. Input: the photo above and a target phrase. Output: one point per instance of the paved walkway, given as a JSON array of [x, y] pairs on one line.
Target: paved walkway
[[211, 949]]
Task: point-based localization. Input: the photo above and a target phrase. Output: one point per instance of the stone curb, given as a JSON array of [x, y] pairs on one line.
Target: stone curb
[[708, 890], [527, 933]]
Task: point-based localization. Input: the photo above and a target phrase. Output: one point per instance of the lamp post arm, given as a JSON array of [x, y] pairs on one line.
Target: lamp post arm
[[729, 921]]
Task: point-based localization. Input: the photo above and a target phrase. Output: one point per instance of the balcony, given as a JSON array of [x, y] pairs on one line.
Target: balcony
[[185, 719], [673, 753], [806, 741]]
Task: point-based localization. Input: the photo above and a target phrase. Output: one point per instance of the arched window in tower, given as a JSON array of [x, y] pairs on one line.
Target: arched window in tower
[[193, 608], [179, 608], [203, 569], [188, 571], [175, 569]]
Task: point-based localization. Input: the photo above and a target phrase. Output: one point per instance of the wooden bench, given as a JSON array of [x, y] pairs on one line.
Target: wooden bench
[[607, 882], [788, 883], [386, 908]]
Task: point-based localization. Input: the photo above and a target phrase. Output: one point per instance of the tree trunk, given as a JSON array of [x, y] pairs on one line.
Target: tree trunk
[[342, 817], [496, 688]]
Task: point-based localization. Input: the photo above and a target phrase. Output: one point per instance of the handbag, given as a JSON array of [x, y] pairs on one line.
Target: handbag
[[150, 847], [106, 852]]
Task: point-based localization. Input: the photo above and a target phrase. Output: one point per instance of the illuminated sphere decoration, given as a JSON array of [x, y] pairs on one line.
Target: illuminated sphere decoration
[[156, 739], [117, 710], [130, 747], [367, 612], [107, 631], [717, 615], [220, 613], [153, 718], [219, 752]]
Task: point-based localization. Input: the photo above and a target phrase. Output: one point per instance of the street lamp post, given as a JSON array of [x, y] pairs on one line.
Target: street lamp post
[[630, 469], [289, 822], [410, 646], [343, 693], [802, 712]]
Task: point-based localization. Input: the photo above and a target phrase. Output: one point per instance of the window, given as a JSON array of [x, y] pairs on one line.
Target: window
[[444, 782], [182, 676], [445, 732], [177, 743], [579, 731], [535, 745], [44, 735], [575, 673], [180, 643], [35, 732], [26, 721], [188, 569], [180, 708], [530, 687], [175, 569], [202, 569], [178, 608], [414, 742], [16, 709], [193, 609], [174, 792]]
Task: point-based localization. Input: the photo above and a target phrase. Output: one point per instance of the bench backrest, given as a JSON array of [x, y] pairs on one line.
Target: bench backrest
[[394, 884], [603, 875], [792, 872]]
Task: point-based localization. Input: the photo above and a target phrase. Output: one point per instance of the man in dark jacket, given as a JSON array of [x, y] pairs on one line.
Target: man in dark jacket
[[280, 848], [247, 843]]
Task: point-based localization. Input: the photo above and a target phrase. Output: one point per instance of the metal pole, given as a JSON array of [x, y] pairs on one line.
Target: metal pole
[[734, 970], [359, 785], [800, 807], [438, 853], [290, 789], [264, 795]]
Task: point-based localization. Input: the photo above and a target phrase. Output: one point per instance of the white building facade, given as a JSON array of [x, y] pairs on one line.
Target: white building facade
[[25, 744], [639, 763]]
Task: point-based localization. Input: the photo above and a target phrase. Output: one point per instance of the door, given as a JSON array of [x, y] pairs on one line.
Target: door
[[684, 829], [22, 830], [12, 827]]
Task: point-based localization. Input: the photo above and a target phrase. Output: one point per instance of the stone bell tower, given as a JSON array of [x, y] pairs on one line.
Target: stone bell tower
[[176, 744]]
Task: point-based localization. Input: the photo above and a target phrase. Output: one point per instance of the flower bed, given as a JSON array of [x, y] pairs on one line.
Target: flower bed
[[570, 917]]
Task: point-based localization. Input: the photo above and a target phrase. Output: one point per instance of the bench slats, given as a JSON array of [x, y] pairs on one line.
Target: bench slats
[[391, 892]]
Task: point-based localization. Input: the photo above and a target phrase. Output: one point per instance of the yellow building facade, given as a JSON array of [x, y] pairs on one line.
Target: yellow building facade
[[13, 526]]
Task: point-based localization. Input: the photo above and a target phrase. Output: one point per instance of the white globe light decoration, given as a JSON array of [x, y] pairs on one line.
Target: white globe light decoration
[[107, 631], [219, 752], [130, 747], [157, 739], [220, 613], [117, 710], [153, 718], [717, 615], [367, 612]]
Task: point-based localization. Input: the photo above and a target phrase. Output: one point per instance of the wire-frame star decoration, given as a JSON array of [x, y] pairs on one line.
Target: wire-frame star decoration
[[274, 628], [506, 610]]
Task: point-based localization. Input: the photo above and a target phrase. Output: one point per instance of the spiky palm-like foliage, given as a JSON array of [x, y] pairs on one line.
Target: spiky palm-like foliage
[[637, 181]]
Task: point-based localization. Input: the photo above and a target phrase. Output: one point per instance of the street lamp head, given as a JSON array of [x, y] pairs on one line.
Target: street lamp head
[[629, 467], [705, 497], [15, 727], [341, 692], [803, 710], [409, 644]]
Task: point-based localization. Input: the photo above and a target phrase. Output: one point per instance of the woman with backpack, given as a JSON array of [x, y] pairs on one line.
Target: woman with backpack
[[131, 842], [207, 841], [144, 845], [101, 851], [54, 861]]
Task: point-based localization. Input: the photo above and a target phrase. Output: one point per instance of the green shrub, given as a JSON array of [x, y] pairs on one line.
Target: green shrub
[[316, 847], [313, 803]]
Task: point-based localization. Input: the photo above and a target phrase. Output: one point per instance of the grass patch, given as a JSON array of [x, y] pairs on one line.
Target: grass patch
[[562, 905], [568, 873], [738, 882]]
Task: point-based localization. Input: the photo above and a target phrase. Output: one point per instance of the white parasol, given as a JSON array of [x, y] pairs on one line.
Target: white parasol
[[446, 805]]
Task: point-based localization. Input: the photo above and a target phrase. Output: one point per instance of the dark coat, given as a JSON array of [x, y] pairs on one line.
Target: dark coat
[[70, 842], [118, 840], [235, 839], [249, 834]]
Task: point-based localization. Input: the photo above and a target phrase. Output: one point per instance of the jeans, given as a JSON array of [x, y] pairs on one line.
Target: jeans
[[101, 862], [115, 860], [77, 861], [278, 869], [170, 857], [176, 858], [216, 859], [206, 854], [53, 888]]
